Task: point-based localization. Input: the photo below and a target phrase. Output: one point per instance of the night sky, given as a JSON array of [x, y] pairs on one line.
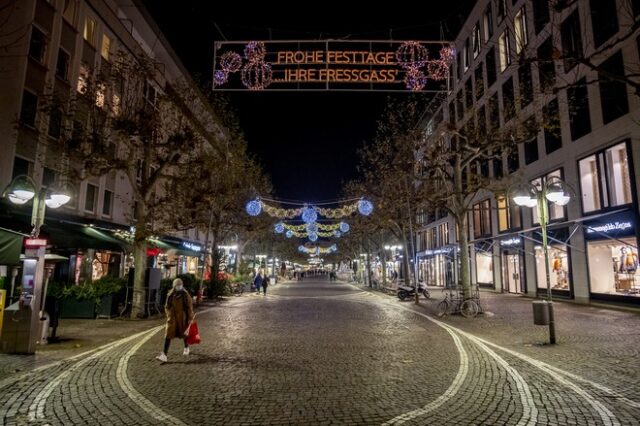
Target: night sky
[[307, 142]]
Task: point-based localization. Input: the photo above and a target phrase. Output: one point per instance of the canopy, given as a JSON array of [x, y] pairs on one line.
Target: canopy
[[10, 247]]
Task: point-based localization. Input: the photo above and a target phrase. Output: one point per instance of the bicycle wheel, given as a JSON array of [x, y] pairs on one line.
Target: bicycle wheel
[[469, 308], [443, 307], [426, 294]]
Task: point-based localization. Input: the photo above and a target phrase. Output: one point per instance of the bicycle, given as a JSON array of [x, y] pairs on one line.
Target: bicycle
[[451, 304], [235, 288]]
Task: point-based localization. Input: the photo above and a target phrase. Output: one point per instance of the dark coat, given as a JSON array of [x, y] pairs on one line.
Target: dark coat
[[179, 311]]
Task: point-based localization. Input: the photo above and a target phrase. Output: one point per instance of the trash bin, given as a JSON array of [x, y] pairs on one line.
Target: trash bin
[[540, 312]]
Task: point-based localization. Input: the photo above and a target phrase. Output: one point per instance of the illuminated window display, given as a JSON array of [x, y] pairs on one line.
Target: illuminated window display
[[484, 267], [613, 267], [559, 278]]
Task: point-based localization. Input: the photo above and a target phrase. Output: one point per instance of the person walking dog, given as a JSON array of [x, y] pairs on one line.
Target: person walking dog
[[179, 311]]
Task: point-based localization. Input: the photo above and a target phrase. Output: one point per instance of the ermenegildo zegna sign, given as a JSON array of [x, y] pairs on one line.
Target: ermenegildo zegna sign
[[356, 65]]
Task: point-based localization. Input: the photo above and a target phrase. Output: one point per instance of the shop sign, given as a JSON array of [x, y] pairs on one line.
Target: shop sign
[[191, 246], [441, 250], [35, 242], [511, 242], [614, 226]]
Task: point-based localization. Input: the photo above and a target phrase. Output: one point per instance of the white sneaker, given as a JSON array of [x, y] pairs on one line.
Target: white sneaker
[[185, 352], [162, 357]]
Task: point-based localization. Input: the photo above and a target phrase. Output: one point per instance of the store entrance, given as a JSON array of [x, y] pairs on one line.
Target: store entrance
[[511, 272]]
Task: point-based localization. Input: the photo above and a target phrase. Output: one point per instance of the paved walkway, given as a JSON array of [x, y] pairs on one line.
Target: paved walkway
[[315, 352]]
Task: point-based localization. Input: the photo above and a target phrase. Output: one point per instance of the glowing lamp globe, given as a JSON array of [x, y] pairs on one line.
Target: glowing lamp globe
[[365, 207], [344, 227], [309, 215], [254, 207], [313, 236], [279, 228]]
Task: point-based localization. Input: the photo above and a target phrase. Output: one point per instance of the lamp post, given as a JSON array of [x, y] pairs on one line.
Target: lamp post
[[20, 191], [557, 191]]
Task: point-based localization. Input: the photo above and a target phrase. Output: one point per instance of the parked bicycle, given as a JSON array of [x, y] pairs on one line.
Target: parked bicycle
[[455, 303], [236, 288]]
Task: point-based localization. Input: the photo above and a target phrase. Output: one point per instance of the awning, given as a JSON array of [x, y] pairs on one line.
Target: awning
[[69, 235], [181, 247], [10, 247]]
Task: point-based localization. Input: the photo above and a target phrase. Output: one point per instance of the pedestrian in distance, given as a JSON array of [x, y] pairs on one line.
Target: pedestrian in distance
[[265, 284], [257, 281], [179, 311]]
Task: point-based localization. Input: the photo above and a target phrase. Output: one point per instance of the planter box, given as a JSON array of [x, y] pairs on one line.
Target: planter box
[[108, 307], [72, 308]]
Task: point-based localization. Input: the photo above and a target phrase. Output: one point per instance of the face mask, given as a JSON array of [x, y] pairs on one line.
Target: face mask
[[179, 288]]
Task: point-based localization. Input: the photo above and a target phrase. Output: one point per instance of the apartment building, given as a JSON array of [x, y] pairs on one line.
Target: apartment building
[[549, 61], [55, 47]]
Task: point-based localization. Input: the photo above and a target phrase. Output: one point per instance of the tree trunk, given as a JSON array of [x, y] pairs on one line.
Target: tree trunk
[[405, 260], [140, 265], [461, 220], [384, 262]]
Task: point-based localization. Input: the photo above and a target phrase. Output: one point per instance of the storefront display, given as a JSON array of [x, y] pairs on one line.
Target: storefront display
[[484, 268], [559, 278]]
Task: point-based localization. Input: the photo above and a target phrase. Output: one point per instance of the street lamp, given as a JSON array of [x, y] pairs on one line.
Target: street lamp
[[556, 191], [22, 189]]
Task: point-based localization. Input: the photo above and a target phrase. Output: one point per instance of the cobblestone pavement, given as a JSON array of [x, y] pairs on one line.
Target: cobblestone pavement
[[316, 352]]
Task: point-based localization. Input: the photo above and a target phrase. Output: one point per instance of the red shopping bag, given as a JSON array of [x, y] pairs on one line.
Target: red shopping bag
[[193, 335]]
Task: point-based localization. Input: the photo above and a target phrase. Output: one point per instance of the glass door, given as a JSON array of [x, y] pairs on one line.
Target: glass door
[[511, 272]]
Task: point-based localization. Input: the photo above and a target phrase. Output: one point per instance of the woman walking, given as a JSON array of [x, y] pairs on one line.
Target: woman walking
[[179, 311]]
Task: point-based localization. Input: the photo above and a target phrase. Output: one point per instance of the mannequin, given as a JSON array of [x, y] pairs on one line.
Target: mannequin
[[628, 260]]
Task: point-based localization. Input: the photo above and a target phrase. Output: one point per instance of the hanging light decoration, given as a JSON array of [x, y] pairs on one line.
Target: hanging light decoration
[[312, 227], [365, 207], [301, 248], [255, 51], [337, 233], [220, 77], [289, 233], [256, 75], [415, 79], [279, 228], [230, 62], [309, 215], [344, 227], [254, 207], [313, 236], [411, 54]]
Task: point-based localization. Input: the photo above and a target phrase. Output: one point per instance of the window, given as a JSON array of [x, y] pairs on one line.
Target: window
[[466, 55], [482, 123], [635, 7], [571, 40], [613, 266], [48, 177], [491, 67], [487, 22], [605, 179], [90, 198], [502, 9], [509, 214], [513, 160], [531, 145], [604, 19], [115, 104], [552, 131], [556, 212], [83, 78], [520, 30], [89, 30], [526, 85], [452, 113], [69, 11], [29, 108], [558, 254], [497, 168], [546, 66], [100, 94], [105, 49], [540, 14], [479, 81], [460, 104], [504, 53], [107, 201], [55, 123], [62, 65], [21, 167], [508, 100], [476, 40], [578, 99], [482, 219], [468, 93], [37, 45], [494, 114], [150, 93], [613, 94]]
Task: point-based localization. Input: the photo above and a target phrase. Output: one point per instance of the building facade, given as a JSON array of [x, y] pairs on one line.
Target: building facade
[[53, 48], [566, 63]]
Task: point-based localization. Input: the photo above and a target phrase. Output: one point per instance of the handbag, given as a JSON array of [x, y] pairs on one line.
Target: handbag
[[193, 334]]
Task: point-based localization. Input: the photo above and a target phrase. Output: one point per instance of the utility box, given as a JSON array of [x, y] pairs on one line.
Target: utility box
[[540, 312]]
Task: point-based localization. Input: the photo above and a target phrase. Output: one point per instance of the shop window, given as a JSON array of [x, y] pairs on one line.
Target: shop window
[[55, 123], [508, 100], [479, 81], [571, 40], [475, 41], [89, 30], [62, 65], [540, 14], [484, 267], [605, 179], [604, 19], [105, 48], [526, 85], [520, 30], [552, 131], [546, 66], [491, 66], [613, 267], [29, 108], [509, 216], [559, 277], [613, 94], [90, 198], [487, 22], [504, 51], [556, 212], [37, 45], [579, 119], [482, 219], [107, 202]]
